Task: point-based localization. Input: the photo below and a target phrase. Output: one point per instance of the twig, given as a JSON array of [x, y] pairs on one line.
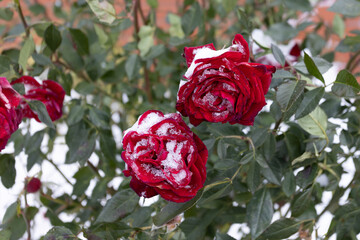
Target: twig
[[23, 20], [95, 169], [58, 169]]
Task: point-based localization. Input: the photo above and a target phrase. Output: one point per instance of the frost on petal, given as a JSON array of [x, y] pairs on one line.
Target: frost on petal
[[160, 151]]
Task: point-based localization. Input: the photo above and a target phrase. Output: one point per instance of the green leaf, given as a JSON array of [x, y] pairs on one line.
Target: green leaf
[[302, 5], [288, 185], [310, 102], [7, 170], [173, 209], [25, 52], [320, 63], [83, 177], [279, 56], [103, 10], [146, 35], [259, 212], [52, 37], [312, 68], [6, 14], [75, 115], [132, 66], [85, 147], [350, 8], [315, 123], [81, 41], [223, 236], [301, 203], [288, 93], [175, 29], [153, 3], [338, 25], [345, 77], [253, 178], [120, 205], [281, 229], [5, 234], [41, 112], [303, 157], [191, 19], [281, 32], [4, 64], [59, 233]]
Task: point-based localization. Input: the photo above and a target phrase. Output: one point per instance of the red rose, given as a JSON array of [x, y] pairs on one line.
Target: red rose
[[50, 93], [222, 85], [33, 185], [164, 157], [10, 117]]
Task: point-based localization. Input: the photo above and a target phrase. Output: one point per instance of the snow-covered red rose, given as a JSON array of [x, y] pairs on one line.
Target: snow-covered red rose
[[164, 157], [222, 86], [10, 116], [49, 92]]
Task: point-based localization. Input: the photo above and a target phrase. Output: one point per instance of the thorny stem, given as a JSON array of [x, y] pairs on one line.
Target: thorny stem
[[23, 20]]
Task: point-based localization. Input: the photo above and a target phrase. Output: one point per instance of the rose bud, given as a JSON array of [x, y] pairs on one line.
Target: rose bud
[[164, 157], [33, 185], [10, 116], [222, 86], [49, 92]]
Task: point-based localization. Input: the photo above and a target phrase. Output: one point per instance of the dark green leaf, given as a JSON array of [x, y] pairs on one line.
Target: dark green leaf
[[7, 170], [310, 102], [312, 68], [191, 19], [132, 66], [259, 212], [4, 64], [345, 77], [83, 177], [41, 112], [223, 236], [301, 203], [288, 93], [281, 32], [281, 229], [120, 205], [6, 14], [59, 233], [279, 56], [289, 183], [75, 115], [320, 63], [52, 37], [302, 5], [350, 8], [253, 178], [173, 209], [81, 41]]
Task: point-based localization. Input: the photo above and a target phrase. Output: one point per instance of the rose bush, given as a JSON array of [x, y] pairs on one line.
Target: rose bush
[[222, 85], [10, 116], [164, 157], [49, 92]]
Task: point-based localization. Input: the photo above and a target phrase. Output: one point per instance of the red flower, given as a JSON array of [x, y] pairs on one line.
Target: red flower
[[10, 117], [50, 93], [222, 85], [164, 157], [33, 185]]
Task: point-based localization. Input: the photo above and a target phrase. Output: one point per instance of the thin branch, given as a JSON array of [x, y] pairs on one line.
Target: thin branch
[[23, 20], [58, 169]]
